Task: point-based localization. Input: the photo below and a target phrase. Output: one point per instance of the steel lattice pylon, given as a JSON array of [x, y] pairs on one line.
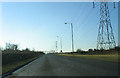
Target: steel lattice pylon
[[105, 38]]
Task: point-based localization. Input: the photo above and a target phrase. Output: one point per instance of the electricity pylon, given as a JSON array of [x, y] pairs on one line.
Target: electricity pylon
[[105, 39]]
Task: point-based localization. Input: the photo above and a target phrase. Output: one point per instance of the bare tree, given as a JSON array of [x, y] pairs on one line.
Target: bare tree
[[11, 46]]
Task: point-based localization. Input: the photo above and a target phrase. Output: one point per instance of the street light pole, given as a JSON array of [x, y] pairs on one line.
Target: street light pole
[[57, 43], [56, 47], [61, 43], [72, 36]]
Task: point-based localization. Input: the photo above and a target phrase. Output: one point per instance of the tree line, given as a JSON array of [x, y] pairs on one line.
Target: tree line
[[9, 47], [99, 51], [115, 50]]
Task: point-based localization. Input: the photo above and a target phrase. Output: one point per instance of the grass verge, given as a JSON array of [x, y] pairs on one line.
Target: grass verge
[[16, 65], [111, 58]]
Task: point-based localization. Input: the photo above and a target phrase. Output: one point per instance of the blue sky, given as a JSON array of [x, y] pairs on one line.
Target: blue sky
[[36, 24]]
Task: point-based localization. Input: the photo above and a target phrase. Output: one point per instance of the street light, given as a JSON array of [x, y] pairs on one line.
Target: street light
[[72, 36], [61, 44], [57, 43]]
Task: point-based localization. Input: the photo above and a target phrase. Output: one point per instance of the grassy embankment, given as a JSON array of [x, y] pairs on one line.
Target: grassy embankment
[[107, 57], [12, 61]]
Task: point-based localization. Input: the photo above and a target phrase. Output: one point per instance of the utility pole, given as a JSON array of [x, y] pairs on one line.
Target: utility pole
[[105, 39], [72, 36], [56, 47], [61, 44], [57, 43]]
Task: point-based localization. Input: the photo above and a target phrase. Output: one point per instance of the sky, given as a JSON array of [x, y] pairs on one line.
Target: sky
[[119, 24], [37, 24]]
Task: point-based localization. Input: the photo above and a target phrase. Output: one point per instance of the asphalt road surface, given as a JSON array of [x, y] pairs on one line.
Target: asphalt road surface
[[55, 65]]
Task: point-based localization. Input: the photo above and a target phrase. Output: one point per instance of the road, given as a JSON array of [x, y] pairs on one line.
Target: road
[[55, 65]]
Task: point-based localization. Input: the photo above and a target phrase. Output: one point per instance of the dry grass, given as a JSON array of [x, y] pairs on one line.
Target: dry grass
[[112, 58], [14, 65]]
